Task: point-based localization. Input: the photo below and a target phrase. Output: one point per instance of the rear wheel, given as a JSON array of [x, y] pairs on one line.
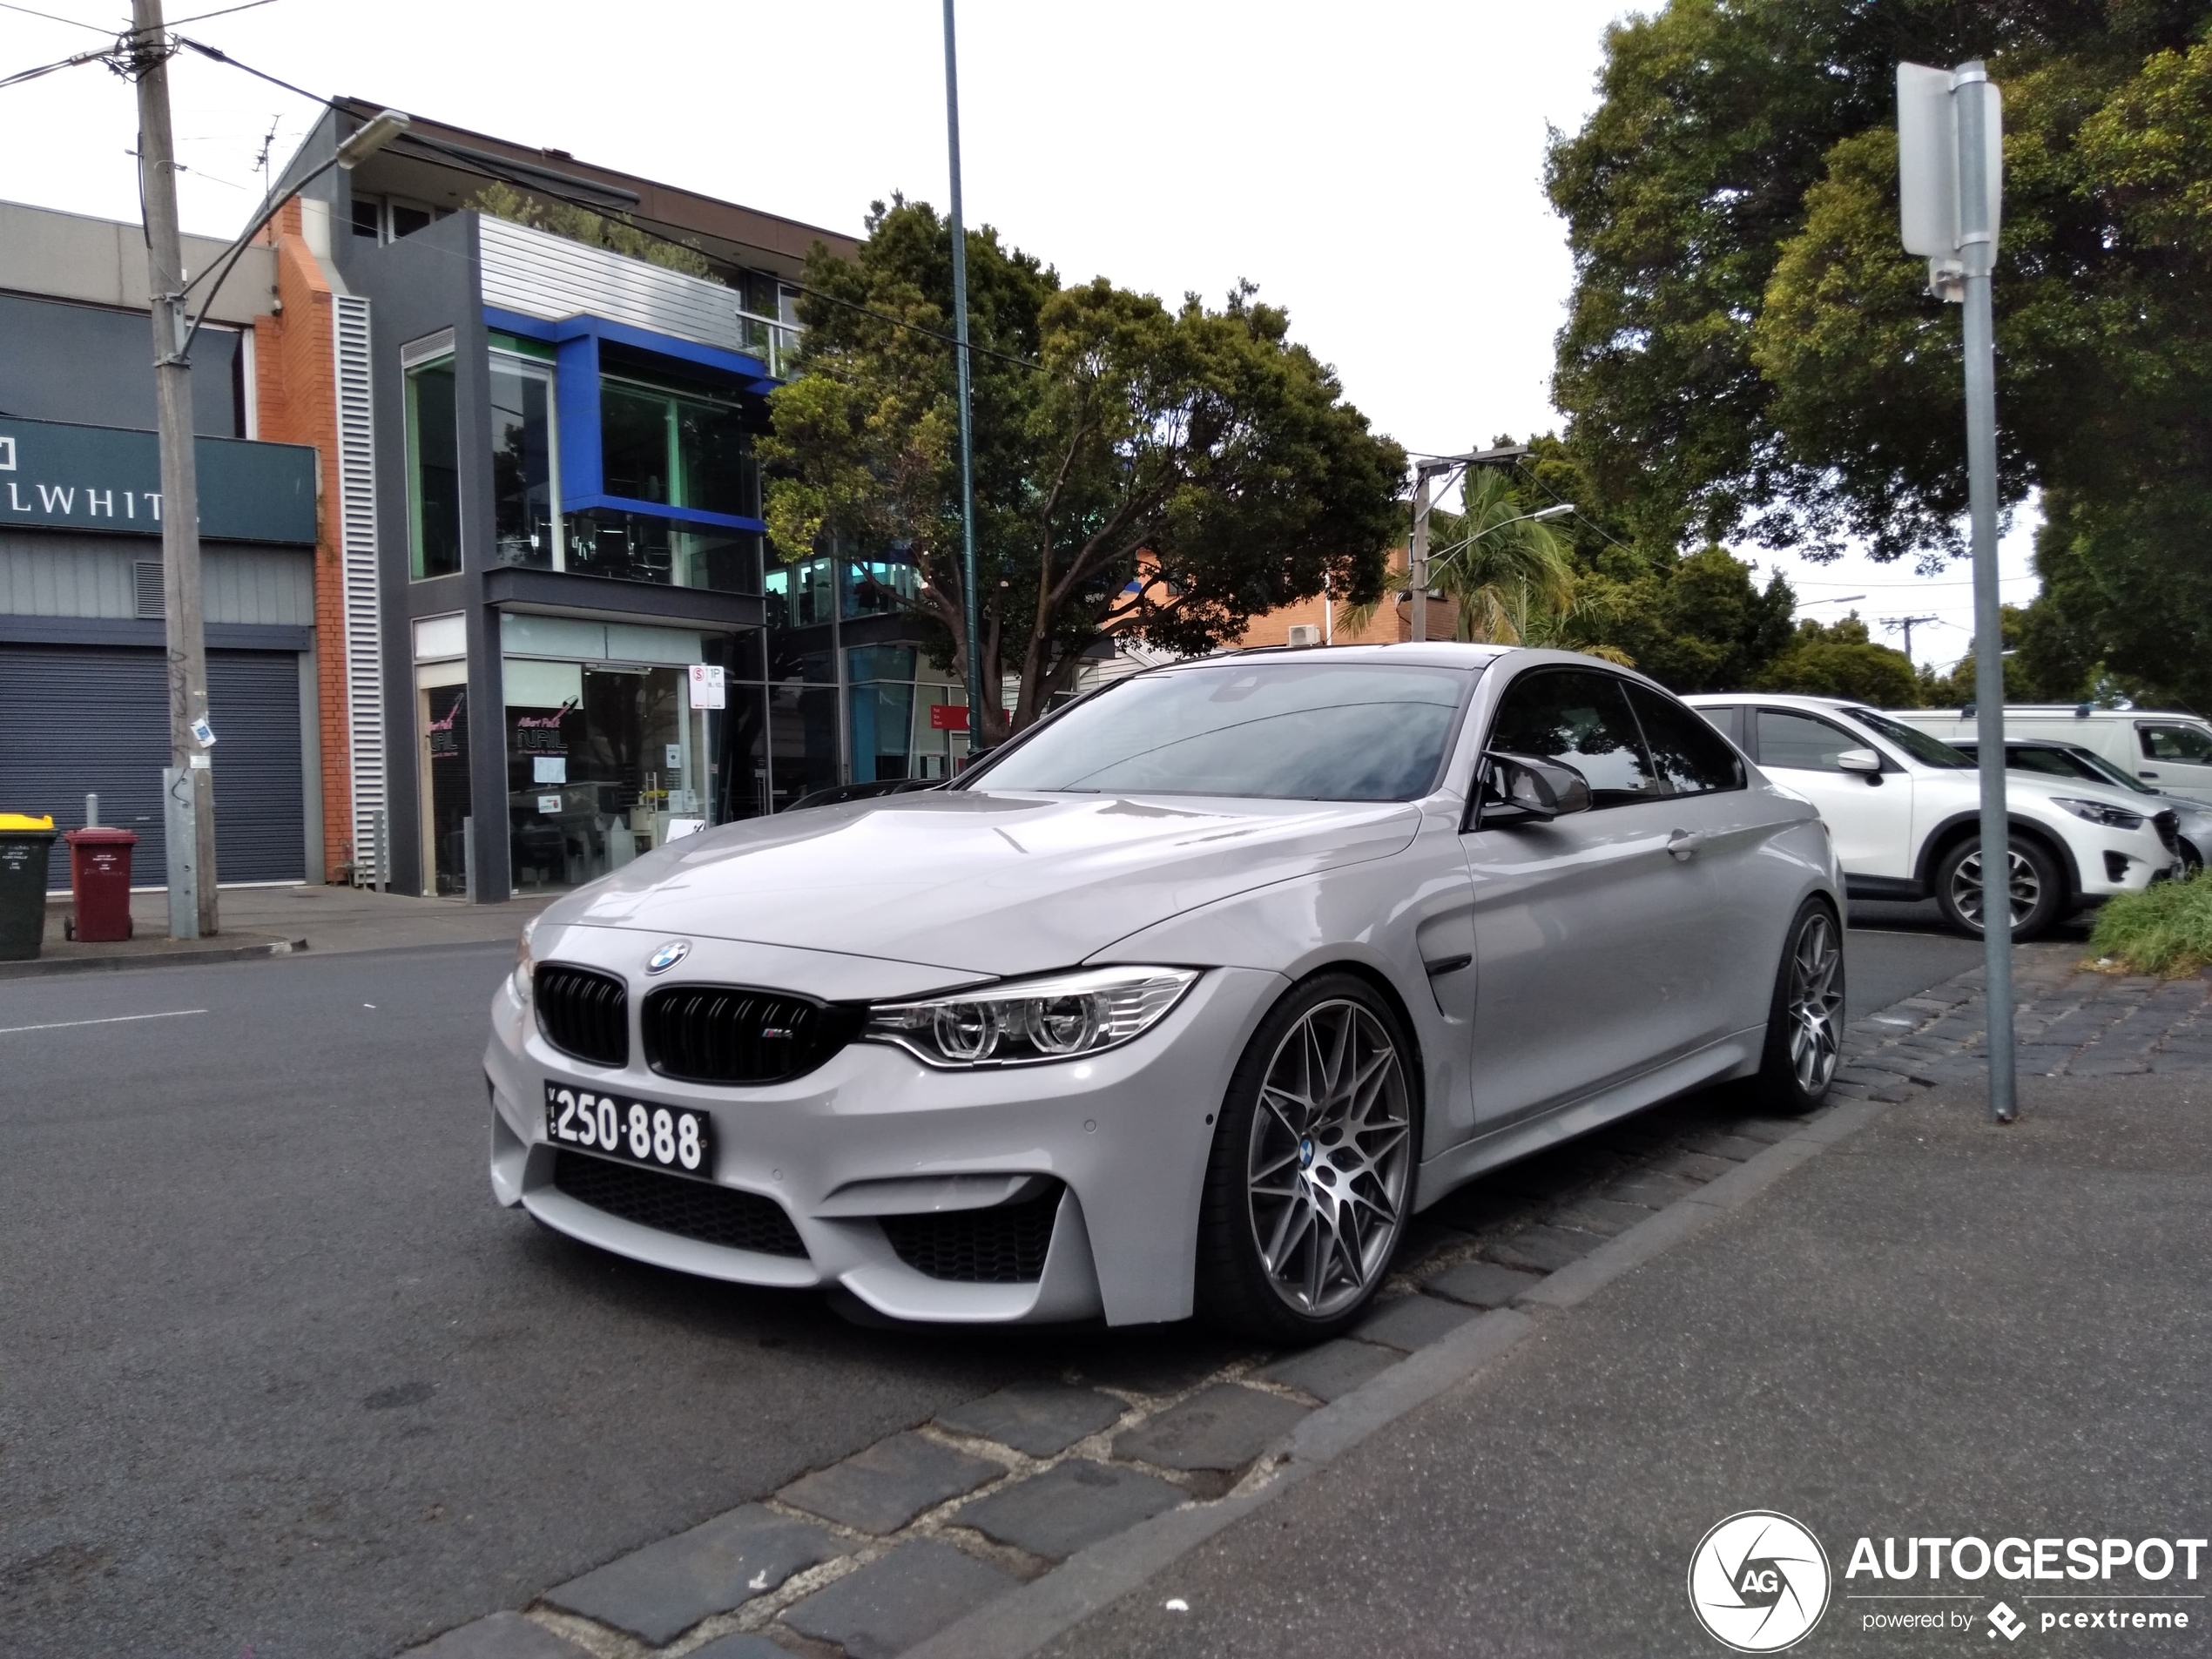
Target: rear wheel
[[1804, 1028], [2033, 883], [1311, 1173]]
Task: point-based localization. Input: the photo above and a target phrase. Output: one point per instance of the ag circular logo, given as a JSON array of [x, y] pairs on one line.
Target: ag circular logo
[[668, 956], [1758, 1582]]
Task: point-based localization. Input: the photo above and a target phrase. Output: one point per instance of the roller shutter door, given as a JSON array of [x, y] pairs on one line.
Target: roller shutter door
[[78, 721]]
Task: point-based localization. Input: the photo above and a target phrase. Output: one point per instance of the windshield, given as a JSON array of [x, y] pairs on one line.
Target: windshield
[[1929, 751], [1275, 731], [2104, 771]]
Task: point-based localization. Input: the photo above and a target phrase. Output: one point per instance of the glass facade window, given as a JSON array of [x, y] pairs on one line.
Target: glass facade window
[[525, 482], [637, 547], [799, 592], [889, 702], [676, 449], [432, 470], [594, 779]]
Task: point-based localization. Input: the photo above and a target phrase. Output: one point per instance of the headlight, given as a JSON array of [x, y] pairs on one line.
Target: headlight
[[525, 964], [2097, 812], [1026, 1021]]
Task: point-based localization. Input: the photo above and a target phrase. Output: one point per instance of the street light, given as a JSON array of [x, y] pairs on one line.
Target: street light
[[1457, 548]]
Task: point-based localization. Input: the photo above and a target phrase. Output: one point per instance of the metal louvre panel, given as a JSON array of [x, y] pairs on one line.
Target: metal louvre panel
[[583, 1012], [729, 1034], [90, 720], [543, 275], [364, 639]]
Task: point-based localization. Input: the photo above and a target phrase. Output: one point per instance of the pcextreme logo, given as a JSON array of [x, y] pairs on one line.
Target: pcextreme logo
[[1758, 1582]]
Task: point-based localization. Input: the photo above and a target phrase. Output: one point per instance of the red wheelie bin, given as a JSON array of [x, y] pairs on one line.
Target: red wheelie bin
[[99, 882]]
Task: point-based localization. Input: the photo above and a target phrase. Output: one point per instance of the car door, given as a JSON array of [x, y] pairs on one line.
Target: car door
[[1588, 958], [1749, 896], [1869, 814], [2175, 757]]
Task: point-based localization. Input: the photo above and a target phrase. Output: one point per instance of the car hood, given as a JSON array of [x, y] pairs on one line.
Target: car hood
[[983, 884]]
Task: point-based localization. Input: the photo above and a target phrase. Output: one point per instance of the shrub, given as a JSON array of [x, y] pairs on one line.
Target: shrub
[[2166, 929]]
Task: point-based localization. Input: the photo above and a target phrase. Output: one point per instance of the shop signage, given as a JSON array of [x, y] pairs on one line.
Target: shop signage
[[55, 476], [707, 689], [949, 717]]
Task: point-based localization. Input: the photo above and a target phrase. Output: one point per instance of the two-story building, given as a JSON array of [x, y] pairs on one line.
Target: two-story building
[[83, 685]]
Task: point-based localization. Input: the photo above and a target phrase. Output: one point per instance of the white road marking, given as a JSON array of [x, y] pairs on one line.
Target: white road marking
[[113, 1019]]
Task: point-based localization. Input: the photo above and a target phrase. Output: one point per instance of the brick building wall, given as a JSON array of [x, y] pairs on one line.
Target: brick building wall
[[1392, 622], [296, 389]]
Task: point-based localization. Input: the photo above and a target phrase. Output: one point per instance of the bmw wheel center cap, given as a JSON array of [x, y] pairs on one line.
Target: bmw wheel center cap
[[668, 956]]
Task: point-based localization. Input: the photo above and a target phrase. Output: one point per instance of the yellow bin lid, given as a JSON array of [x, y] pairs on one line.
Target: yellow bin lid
[[25, 820]]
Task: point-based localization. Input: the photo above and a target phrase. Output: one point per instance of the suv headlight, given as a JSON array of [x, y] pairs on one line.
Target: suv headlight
[[2097, 812], [1027, 1021]]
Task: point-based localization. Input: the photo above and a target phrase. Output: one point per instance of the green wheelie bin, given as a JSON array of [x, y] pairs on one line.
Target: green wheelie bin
[[23, 844]]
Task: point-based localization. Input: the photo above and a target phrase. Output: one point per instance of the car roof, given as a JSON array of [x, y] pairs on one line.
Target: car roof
[[1434, 653], [1780, 699]]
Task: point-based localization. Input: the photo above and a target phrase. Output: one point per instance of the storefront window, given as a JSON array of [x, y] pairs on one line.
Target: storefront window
[[900, 726], [434, 469], [445, 743], [523, 466], [600, 762]]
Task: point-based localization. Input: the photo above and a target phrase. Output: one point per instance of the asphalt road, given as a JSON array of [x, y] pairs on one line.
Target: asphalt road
[[277, 1375]]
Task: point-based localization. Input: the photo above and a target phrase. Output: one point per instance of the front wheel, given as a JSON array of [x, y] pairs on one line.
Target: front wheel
[[2036, 887], [1804, 1027], [1311, 1172]]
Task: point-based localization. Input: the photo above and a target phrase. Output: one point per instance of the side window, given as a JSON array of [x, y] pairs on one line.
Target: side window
[[1578, 719], [2175, 743], [2055, 762], [1800, 743], [1690, 758]]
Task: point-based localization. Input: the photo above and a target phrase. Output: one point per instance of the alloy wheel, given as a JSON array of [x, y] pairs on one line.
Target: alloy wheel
[[1815, 1005], [1330, 1160], [1965, 887]]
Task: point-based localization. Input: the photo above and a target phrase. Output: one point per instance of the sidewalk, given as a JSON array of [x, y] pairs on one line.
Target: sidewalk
[[259, 921], [1939, 1328]]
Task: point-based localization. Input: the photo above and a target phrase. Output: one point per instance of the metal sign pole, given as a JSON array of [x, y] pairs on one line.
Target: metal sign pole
[[1950, 163], [1974, 100], [971, 613]]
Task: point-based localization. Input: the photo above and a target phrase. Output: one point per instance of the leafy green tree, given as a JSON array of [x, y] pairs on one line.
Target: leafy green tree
[[1140, 471], [1749, 350], [1506, 571], [1842, 660]]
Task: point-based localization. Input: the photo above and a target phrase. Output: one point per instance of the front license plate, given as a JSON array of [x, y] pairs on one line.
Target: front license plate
[[638, 1131]]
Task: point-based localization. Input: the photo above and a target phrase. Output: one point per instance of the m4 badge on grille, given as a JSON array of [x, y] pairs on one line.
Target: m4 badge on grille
[[668, 956]]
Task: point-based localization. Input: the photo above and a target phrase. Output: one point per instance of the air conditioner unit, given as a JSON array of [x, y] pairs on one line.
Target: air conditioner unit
[[1304, 634]]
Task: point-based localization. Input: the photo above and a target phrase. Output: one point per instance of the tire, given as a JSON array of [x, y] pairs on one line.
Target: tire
[[1804, 1024], [2192, 860], [1304, 1208], [2038, 888]]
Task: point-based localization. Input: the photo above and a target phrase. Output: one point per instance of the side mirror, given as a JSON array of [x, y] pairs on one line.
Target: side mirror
[[1861, 760], [1521, 788]]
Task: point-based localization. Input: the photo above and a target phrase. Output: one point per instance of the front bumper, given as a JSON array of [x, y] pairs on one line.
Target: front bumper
[[875, 1132], [2111, 861]]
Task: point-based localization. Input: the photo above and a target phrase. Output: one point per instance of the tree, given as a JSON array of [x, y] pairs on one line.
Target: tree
[[1506, 572], [1749, 350], [1842, 660], [1140, 471]]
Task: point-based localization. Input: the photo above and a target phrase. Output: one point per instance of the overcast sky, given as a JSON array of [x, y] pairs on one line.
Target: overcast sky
[[1377, 167]]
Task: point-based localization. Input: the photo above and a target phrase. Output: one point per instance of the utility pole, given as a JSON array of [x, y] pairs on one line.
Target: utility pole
[[973, 602], [1892, 624], [191, 812], [1949, 165], [1425, 473]]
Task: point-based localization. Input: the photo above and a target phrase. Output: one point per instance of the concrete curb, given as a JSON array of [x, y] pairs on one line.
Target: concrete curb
[[1021, 1622], [40, 967]]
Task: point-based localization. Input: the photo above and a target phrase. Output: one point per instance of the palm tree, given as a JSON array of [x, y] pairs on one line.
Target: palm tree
[[1509, 574]]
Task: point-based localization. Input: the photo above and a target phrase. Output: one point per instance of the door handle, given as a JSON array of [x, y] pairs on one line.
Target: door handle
[[1684, 844], [2147, 774]]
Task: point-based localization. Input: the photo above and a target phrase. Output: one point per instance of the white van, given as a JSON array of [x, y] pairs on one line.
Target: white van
[[2171, 753]]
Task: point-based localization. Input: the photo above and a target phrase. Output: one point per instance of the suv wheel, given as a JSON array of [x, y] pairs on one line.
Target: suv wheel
[[1311, 1176], [1804, 1027], [2037, 888]]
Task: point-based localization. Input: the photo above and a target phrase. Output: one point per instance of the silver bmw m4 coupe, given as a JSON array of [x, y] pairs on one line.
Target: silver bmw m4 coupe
[[1184, 1002]]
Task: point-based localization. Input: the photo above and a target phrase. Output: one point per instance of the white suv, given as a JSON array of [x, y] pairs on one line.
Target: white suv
[[1903, 807]]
